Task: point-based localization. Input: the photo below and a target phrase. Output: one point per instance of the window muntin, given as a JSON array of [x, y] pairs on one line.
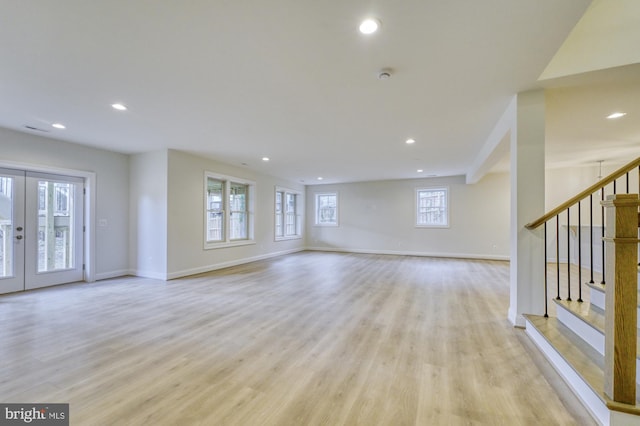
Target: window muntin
[[432, 207], [288, 215], [228, 212], [327, 209]]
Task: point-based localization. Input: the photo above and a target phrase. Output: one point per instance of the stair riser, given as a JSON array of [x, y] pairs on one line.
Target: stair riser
[[598, 300]]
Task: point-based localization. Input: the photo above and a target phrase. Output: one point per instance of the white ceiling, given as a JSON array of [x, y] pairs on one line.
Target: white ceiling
[[293, 80]]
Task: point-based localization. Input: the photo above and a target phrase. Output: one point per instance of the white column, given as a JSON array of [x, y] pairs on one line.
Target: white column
[[527, 204]]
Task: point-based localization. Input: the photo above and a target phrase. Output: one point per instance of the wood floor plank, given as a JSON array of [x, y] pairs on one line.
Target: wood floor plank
[[306, 339]]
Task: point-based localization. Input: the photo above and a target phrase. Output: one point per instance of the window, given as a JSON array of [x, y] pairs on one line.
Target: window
[[327, 209], [238, 215], [288, 214], [432, 207], [228, 211]]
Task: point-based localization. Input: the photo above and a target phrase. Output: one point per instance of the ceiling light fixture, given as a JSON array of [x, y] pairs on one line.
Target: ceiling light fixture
[[410, 141], [265, 159], [320, 178], [616, 115], [119, 107], [59, 126], [420, 170], [369, 26]]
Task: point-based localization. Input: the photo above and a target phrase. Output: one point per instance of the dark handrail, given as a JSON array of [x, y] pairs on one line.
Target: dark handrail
[[593, 188]]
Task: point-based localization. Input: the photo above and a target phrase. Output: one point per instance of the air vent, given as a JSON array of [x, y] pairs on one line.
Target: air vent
[[26, 126]]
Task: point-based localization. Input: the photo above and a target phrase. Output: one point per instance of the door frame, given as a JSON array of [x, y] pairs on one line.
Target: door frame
[[89, 207]]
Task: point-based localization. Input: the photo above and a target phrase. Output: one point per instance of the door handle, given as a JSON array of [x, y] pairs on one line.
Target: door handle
[[18, 237]]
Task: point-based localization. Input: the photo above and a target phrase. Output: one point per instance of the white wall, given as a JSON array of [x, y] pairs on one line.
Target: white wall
[[148, 214], [185, 216], [379, 217], [112, 189]]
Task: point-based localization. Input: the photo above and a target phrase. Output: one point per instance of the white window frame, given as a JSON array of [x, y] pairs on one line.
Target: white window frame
[[226, 221], [317, 210], [299, 214], [447, 208]]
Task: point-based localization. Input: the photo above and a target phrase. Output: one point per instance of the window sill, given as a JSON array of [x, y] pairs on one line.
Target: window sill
[[226, 244], [432, 226], [291, 237]]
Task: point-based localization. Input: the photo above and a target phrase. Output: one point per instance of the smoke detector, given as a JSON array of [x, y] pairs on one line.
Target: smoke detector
[[385, 74]]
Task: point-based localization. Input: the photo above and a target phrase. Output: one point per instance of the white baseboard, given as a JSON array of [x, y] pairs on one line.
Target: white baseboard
[[112, 274], [221, 265], [412, 253], [148, 274]]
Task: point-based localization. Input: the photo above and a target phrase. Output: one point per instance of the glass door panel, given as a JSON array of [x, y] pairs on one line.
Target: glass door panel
[[55, 231], [11, 230]]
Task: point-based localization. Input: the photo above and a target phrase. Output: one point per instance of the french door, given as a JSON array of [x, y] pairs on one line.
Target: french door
[[41, 230]]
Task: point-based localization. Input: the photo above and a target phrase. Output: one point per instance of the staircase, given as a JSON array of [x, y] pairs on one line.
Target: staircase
[[574, 344], [574, 335]]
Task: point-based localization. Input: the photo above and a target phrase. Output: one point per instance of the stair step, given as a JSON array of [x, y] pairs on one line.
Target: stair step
[[580, 365], [597, 296], [590, 324]]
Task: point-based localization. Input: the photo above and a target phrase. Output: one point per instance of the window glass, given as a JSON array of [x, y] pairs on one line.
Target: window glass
[[238, 224], [290, 221], [432, 207], [215, 210], [279, 214], [327, 209]]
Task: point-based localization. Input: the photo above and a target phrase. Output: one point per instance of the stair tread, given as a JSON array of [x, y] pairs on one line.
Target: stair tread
[[592, 316], [584, 359], [601, 288]]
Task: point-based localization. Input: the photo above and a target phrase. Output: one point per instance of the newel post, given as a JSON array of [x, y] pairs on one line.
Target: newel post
[[621, 247]]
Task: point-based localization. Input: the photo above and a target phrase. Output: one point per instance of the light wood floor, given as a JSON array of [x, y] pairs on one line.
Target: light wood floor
[[307, 339]]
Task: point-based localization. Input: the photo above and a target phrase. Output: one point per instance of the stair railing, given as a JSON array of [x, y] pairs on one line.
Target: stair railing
[[619, 270], [618, 182]]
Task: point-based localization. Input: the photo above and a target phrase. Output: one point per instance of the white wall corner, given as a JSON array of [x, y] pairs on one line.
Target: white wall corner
[[496, 146]]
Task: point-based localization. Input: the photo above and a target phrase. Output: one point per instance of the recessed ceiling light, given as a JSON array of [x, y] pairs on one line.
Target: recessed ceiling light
[[410, 141], [616, 115], [320, 178], [265, 158], [59, 126], [369, 26], [119, 107], [420, 170]]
